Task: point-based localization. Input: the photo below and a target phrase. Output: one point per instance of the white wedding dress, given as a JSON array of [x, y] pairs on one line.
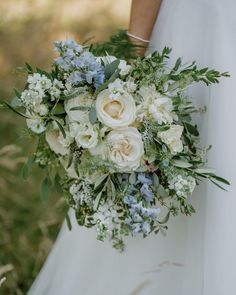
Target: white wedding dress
[[198, 255]]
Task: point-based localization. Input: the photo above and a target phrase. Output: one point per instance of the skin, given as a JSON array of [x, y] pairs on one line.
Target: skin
[[142, 19]]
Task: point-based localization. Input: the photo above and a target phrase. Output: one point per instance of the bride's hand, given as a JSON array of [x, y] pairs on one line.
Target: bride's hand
[[142, 18]]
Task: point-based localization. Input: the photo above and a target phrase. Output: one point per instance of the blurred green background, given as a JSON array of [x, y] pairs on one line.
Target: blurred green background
[[28, 28]]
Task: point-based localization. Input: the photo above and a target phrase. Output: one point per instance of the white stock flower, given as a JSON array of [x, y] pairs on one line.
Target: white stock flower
[[125, 148], [87, 136], [41, 109], [57, 142], [82, 100], [36, 125], [115, 113], [172, 138], [124, 68], [159, 107]]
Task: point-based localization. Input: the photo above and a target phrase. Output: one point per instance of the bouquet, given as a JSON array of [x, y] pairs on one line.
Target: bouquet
[[115, 133]]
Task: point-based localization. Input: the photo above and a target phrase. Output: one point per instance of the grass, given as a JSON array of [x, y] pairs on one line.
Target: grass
[[28, 227]]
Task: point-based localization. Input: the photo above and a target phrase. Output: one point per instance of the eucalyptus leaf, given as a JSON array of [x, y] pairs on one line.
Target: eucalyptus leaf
[[93, 115], [181, 164], [156, 181], [132, 178], [46, 189], [162, 192], [111, 68]]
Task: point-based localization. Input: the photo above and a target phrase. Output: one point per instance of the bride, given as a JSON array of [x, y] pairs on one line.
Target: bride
[[197, 256]]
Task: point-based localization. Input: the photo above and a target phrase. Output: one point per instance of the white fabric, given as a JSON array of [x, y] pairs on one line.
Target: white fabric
[[197, 256]]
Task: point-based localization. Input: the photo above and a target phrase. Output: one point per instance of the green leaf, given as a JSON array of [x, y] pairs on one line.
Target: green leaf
[[80, 108], [68, 222], [15, 111], [191, 129], [156, 181], [132, 178], [218, 185], [181, 164], [57, 183], [165, 219], [111, 68], [17, 93], [204, 170], [46, 189], [220, 179], [27, 168], [100, 180], [105, 85], [97, 201], [29, 68], [162, 192], [58, 109], [93, 115], [141, 168]]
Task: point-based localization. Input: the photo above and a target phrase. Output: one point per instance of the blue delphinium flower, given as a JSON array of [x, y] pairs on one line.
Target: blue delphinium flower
[[147, 192], [130, 200], [146, 228], [145, 178], [82, 66]]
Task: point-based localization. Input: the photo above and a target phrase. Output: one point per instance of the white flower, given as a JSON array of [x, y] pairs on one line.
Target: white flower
[[115, 113], [82, 100], [124, 68], [31, 97], [36, 125], [37, 81], [56, 88], [116, 88], [172, 138], [159, 107], [57, 142], [125, 148], [41, 109], [87, 136]]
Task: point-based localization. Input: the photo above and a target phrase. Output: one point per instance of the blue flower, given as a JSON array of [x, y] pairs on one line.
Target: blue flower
[[154, 212], [146, 228], [147, 192], [144, 178], [130, 200]]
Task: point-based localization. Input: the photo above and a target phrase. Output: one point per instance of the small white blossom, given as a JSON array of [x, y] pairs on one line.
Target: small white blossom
[[124, 68], [183, 185], [36, 125]]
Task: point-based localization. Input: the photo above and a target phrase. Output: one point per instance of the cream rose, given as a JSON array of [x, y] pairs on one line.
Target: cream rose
[[87, 136], [115, 113], [82, 100], [172, 138], [125, 148]]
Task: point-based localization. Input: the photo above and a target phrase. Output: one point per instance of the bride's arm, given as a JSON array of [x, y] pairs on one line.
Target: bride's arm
[[142, 19]]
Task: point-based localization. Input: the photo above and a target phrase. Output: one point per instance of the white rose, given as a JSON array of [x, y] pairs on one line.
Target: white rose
[[57, 142], [159, 107], [87, 137], [82, 100], [172, 138], [115, 113], [125, 148]]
